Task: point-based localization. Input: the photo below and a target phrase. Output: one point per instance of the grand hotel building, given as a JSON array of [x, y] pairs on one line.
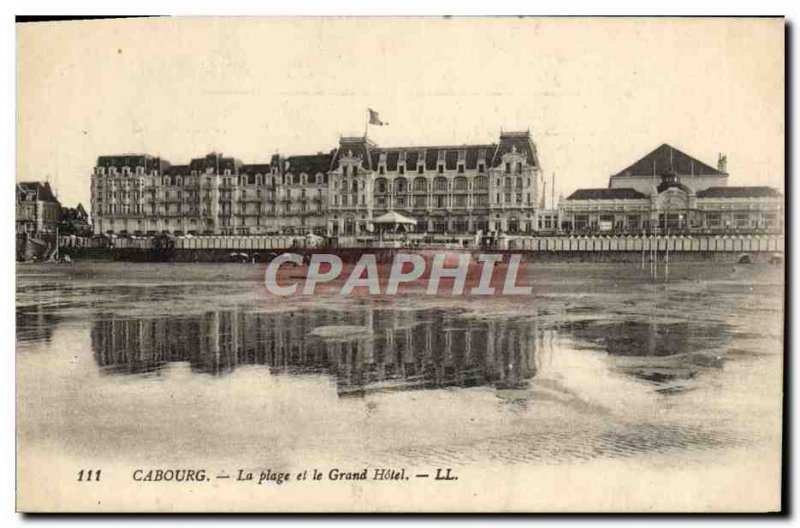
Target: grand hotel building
[[447, 189], [452, 190]]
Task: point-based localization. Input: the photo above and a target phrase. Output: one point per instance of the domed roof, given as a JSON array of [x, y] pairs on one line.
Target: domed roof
[[669, 185], [669, 180]]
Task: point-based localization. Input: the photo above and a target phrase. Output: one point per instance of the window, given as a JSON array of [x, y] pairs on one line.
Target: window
[[481, 200], [741, 219], [381, 170], [440, 184], [400, 185], [460, 183], [481, 183], [440, 169], [461, 200], [770, 220], [420, 169], [581, 221], [513, 224], [441, 201], [508, 168], [481, 167], [420, 201], [381, 185], [402, 169], [632, 221], [460, 225], [420, 185], [519, 167], [461, 168], [713, 219]]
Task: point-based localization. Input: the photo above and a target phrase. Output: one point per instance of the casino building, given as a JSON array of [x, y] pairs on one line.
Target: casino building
[[458, 189], [669, 191]]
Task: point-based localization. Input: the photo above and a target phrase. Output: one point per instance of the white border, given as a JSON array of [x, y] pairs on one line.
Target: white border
[[791, 9]]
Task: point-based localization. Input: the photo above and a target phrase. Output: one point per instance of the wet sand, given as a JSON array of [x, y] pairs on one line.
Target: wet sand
[[181, 364]]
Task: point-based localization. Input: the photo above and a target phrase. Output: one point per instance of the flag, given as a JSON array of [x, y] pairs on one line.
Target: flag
[[374, 119]]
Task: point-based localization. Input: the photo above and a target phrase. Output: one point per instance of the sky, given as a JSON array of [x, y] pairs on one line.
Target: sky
[[596, 94]]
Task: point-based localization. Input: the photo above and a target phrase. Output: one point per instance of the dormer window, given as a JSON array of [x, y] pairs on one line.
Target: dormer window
[[508, 167], [481, 167], [461, 168], [401, 169], [420, 169], [440, 168], [381, 170]]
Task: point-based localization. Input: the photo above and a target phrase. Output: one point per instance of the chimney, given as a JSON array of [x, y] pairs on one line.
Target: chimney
[[722, 163]]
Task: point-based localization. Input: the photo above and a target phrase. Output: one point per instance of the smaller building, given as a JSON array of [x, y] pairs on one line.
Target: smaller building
[[38, 210], [74, 221], [680, 195]]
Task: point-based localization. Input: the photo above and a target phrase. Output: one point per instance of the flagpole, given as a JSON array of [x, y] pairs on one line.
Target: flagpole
[[366, 124]]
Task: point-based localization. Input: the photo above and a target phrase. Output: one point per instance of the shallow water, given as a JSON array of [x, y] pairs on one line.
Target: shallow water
[[171, 363]]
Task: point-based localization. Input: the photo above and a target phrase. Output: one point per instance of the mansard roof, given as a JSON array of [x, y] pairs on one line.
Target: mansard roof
[[360, 147], [255, 168], [147, 161], [177, 170], [472, 153], [739, 192], [606, 194], [667, 158], [42, 190], [309, 164], [216, 161], [519, 141]]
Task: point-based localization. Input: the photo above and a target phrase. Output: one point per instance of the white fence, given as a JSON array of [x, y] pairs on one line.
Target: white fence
[[218, 242], [739, 244]]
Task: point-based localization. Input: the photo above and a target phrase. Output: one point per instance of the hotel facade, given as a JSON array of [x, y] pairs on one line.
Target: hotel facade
[[447, 190], [461, 189]]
